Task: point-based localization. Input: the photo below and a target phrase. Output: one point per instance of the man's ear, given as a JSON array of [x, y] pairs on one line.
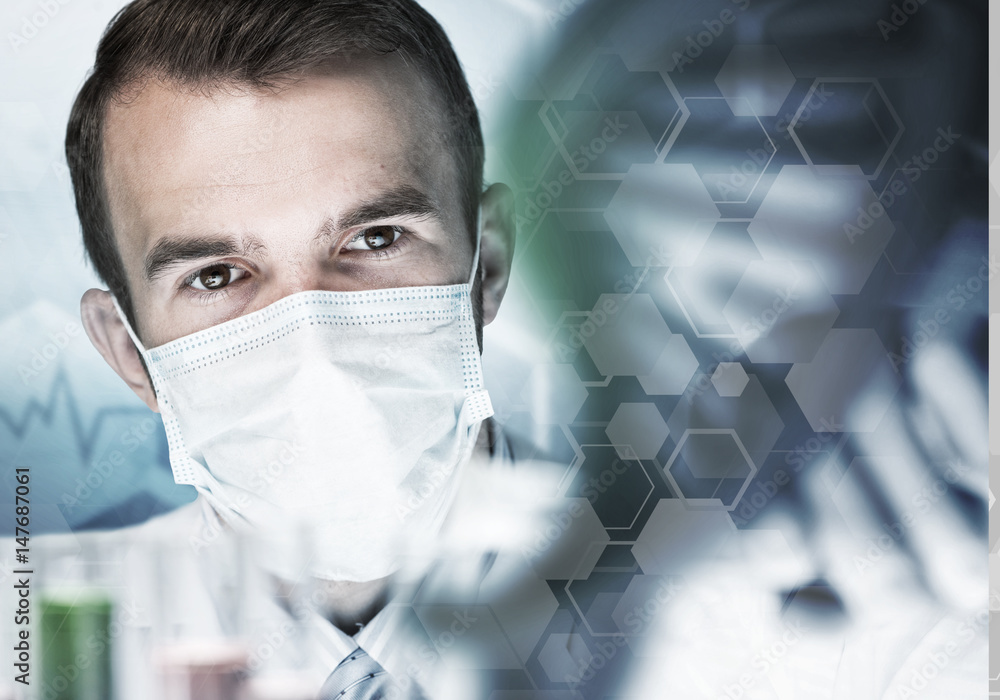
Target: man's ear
[[108, 334], [496, 250]]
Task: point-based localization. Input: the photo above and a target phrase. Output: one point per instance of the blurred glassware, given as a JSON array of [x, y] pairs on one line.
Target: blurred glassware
[[198, 644], [77, 598]]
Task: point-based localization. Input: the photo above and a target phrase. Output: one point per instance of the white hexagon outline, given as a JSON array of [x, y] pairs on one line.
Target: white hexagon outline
[[574, 468], [573, 577], [693, 373], [730, 54], [563, 152], [529, 234], [551, 339], [709, 503], [571, 314], [496, 620], [650, 257], [506, 633], [547, 105], [672, 130], [774, 149], [797, 280], [892, 111], [666, 141], [571, 469], [673, 126], [532, 183], [680, 302], [543, 114], [629, 448]]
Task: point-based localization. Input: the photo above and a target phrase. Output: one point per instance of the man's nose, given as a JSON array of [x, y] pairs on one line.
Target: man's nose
[[306, 276]]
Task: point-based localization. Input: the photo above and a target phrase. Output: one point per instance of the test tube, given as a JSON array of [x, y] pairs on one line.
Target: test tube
[[198, 647], [75, 607]]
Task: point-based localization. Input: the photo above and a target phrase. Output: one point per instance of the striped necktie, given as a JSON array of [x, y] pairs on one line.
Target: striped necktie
[[360, 677]]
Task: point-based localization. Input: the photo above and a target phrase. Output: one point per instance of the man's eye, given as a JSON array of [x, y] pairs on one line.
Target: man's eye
[[215, 277], [375, 238]]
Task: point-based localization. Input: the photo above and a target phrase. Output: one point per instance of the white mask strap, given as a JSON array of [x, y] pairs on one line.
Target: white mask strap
[[131, 333], [475, 256]]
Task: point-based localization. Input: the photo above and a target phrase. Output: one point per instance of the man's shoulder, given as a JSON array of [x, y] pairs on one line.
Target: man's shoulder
[[179, 522], [187, 519]]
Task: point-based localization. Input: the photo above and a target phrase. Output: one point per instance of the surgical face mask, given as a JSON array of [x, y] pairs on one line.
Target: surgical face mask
[[351, 412]]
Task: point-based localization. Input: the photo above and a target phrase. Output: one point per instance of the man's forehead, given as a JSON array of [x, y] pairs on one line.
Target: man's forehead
[[171, 150]]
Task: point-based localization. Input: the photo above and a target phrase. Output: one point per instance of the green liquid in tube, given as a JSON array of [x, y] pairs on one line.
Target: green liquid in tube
[[75, 646]]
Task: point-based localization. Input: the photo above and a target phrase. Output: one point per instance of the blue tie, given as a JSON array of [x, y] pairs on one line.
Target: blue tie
[[360, 677]]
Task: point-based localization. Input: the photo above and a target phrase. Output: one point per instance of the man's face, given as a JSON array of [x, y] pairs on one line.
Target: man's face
[[226, 200]]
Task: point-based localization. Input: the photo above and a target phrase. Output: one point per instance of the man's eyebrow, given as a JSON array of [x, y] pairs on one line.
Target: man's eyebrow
[[169, 252], [402, 201]]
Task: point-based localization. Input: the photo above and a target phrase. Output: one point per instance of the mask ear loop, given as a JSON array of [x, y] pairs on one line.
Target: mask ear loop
[[478, 404], [204, 481], [475, 256], [131, 333]]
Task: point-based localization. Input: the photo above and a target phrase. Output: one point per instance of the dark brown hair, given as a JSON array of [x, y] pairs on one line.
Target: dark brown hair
[[255, 43]]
